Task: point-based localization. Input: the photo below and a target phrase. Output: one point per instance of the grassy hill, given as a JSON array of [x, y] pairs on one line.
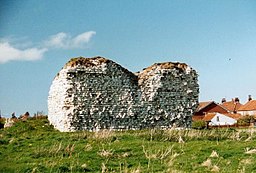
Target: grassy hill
[[34, 146]]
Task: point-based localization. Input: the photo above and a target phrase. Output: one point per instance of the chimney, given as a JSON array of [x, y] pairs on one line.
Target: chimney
[[223, 100], [236, 100], [13, 115], [249, 97]]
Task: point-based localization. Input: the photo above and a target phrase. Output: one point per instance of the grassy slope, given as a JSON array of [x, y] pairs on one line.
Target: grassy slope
[[34, 146]]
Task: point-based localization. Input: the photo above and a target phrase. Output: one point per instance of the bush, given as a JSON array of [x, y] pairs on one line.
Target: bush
[[245, 121], [199, 124]]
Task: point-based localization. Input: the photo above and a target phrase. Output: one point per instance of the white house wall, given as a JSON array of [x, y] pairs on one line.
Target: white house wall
[[244, 113], [223, 120]]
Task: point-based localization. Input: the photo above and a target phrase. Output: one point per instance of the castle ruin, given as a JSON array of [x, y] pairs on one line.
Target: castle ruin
[[97, 93]]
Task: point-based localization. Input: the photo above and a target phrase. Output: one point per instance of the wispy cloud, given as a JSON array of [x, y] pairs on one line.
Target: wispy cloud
[[65, 41], [14, 49], [9, 53]]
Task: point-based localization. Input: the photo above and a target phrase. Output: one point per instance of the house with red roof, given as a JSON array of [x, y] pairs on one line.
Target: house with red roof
[[219, 119], [248, 109], [226, 113], [206, 108], [209, 107], [232, 106]]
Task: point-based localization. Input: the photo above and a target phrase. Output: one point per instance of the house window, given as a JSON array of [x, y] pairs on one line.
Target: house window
[[218, 118]]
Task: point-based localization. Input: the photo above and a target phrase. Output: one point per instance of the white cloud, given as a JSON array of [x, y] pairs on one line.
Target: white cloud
[[13, 49], [65, 41], [10, 53]]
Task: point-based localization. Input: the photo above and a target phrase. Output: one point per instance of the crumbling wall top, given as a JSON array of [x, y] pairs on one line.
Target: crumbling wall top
[[149, 71], [86, 62], [95, 62]]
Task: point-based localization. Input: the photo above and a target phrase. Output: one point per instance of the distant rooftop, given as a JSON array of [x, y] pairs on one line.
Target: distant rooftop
[[250, 105]]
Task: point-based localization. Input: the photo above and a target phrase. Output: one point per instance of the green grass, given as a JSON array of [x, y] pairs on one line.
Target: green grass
[[34, 146]]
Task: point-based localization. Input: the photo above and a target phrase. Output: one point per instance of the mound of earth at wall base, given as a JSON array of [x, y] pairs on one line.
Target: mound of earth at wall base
[[97, 93]]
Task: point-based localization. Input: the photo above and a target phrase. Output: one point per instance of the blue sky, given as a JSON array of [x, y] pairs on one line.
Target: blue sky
[[217, 38]]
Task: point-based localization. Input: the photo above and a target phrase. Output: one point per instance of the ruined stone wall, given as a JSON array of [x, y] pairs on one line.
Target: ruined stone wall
[[97, 93]]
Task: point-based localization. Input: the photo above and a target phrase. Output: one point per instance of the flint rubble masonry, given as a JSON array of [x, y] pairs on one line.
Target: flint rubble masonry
[[97, 93]]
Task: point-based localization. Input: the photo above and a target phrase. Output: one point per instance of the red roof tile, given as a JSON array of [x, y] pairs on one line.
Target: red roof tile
[[202, 105], [209, 117], [232, 106], [234, 116], [249, 106], [197, 117], [217, 108]]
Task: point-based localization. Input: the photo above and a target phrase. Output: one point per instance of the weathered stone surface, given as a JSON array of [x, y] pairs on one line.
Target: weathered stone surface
[[97, 93]]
